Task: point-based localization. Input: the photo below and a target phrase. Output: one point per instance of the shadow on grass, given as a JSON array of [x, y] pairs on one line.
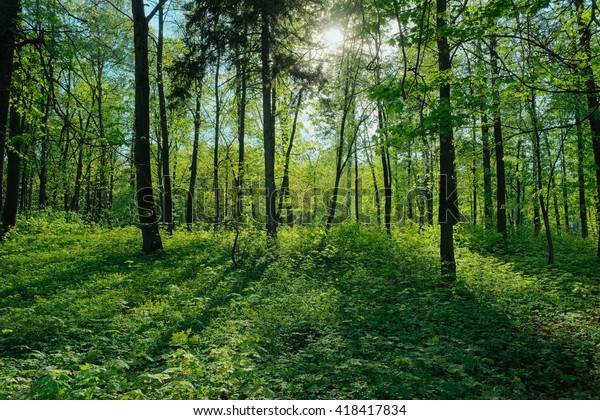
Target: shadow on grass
[[375, 323], [108, 301], [399, 337]]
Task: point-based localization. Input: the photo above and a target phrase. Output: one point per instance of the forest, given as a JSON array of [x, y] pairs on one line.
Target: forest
[[299, 199]]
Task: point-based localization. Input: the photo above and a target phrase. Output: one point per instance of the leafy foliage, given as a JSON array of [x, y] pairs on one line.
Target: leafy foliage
[[355, 314]]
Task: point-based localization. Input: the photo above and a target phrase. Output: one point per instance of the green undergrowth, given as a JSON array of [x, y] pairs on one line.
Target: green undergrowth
[[350, 315]]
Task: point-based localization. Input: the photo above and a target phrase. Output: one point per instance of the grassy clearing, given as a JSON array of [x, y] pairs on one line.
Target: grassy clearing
[[354, 315]]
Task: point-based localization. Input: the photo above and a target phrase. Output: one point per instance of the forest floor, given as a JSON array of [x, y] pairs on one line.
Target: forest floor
[[352, 315]]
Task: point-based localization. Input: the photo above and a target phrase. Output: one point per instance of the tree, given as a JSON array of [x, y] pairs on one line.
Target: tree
[[9, 11], [587, 71], [164, 126], [448, 214], [151, 241], [268, 120]]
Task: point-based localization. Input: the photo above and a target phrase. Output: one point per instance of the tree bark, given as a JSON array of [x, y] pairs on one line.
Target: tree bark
[[216, 192], [285, 183], [592, 98], [487, 171], [9, 10], [189, 209], [565, 191], [498, 145], [242, 74], [448, 214], [387, 171], [43, 175], [151, 241], [13, 170], [268, 128], [544, 201], [520, 196], [166, 171], [581, 177]]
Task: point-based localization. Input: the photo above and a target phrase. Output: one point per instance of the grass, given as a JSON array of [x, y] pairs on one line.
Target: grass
[[352, 315]]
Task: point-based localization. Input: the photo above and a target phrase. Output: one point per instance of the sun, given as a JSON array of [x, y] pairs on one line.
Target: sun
[[332, 38]]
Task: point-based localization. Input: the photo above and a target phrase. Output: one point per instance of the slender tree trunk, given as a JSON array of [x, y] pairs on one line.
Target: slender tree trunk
[[216, 191], [43, 174], [474, 173], [11, 205], [167, 192], [448, 196], [520, 198], [268, 128], [24, 169], [581, 177], [78, 179], [285, 183], [387, 171], [375, 187], [487, 171], [428, 183], [144, 194], [544, 201], [65, 167], [338, 174], [592, 98], [555, 204], [349, 179], [409, 181], [565, 191], [356, 184], [242, 70], [103, 184], [498, 145], [189, 209]]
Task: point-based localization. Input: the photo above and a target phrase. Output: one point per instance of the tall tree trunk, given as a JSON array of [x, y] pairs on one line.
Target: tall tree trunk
[[339, 165], [151, 240], [448, 214], [11, 205], [9, 10], [189, 209], [498, 145], [285, 182], [592, 98], [544, 201], [217, 214], [487, 171], [520, 197], [242, 74], [268, 127], [474, 184], [565, 191], [64, 166], [581, 176], [387, 171], [103, 184], [375, 187], [78, 179], [24, 169], [43, 174], [167, 191], [356, 184], [427, 183], [555, 204], [425, 194], [409, 169]]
